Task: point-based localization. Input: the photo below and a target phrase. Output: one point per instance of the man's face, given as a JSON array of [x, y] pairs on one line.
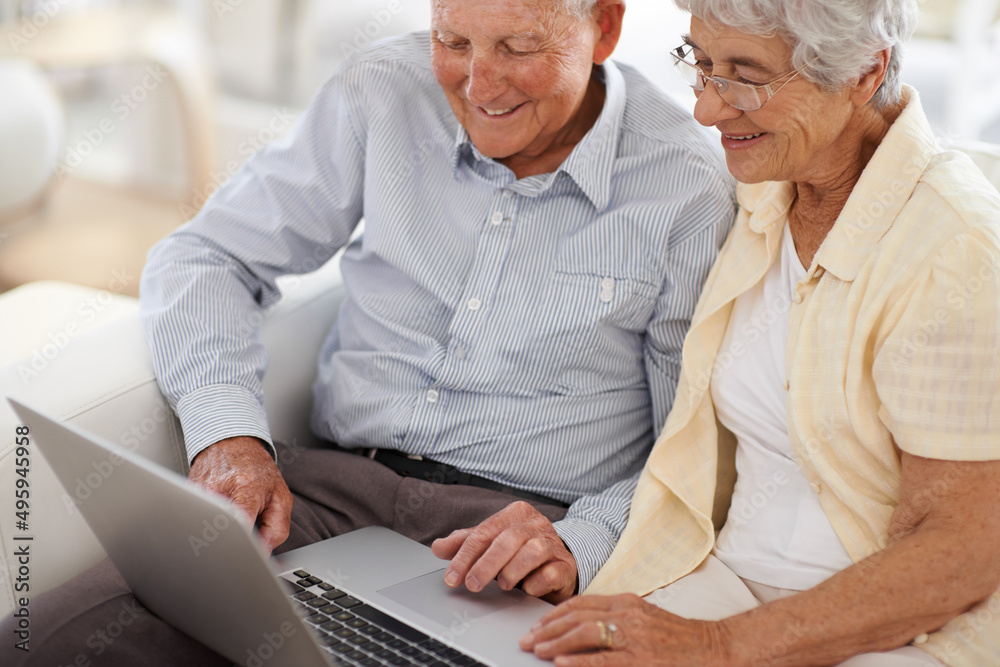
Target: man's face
[[515, 73]]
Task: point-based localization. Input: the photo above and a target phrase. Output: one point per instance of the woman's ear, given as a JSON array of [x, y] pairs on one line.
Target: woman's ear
[[869, 83]]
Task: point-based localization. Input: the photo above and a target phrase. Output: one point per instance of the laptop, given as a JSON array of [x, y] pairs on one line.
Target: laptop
[[370, 597]]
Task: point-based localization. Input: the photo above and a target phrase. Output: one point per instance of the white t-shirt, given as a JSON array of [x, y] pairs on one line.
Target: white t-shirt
[[776, 533]]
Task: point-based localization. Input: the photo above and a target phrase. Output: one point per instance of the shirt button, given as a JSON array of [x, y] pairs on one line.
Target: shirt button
[[607, 290], [814, 486], [797, 298], [497, 218], [787, 385], [474, 304], [506, 194], [432, 396], [460, 352], [921, 638]]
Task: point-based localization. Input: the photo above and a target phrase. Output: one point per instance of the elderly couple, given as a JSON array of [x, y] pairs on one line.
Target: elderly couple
[[749, 425]]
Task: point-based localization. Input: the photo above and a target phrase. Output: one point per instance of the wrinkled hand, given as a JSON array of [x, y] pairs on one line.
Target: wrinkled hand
[[242, 470], [643, 634], [515, 545]]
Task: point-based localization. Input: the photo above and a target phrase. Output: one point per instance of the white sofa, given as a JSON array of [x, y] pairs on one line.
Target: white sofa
[[103, 381]]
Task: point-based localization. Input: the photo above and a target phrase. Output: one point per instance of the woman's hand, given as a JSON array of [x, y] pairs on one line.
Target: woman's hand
[[626, 630]]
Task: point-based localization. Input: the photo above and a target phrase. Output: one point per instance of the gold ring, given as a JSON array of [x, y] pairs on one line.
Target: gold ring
[[607, 638]]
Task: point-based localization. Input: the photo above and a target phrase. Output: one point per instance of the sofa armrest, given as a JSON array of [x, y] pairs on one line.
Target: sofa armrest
[[293, 334], [103, 381]]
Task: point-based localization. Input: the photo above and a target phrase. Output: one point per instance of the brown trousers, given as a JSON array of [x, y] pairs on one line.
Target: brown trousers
[[95, 620]]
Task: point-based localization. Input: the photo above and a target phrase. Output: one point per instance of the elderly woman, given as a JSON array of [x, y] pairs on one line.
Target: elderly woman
[[841, 362]]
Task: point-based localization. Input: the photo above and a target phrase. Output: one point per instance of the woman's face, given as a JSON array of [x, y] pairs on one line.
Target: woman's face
[[794, 136]]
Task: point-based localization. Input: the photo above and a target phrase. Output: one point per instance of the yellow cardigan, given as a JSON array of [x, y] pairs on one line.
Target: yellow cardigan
[[893, 336]]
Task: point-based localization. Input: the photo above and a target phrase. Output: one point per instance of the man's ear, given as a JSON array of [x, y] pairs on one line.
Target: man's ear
[[868, 84], [608, 15]]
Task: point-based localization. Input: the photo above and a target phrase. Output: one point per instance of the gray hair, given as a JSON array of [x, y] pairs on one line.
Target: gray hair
[[578, 9], [834, 42], [581, 9]]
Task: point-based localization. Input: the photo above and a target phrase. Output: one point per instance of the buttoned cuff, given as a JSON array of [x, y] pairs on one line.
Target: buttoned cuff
[[590, 544], [214, 413]]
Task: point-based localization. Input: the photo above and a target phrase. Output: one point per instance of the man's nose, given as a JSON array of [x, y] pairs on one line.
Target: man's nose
[[486, 79]]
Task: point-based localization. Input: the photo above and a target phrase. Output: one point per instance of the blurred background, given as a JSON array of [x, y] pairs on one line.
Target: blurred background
[[119, 117]]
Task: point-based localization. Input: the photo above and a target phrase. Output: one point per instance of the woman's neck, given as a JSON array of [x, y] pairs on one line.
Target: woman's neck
[[818, 202]]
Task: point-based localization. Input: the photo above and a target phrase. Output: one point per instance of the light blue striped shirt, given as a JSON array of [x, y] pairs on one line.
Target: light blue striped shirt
[[528, 331]]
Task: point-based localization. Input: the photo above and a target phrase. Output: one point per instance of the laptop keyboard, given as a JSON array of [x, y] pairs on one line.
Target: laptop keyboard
[[358, 634]]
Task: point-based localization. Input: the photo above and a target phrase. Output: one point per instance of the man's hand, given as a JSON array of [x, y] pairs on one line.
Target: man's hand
[[242, 470], [515, 545]]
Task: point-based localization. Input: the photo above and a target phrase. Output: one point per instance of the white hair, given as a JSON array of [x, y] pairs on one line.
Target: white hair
[[581, 9], [834, 42]]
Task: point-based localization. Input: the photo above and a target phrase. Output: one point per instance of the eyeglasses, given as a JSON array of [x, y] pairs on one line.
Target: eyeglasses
[[743, 96]]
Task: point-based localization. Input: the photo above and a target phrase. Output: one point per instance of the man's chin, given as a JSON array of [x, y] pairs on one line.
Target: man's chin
[[497, 149]]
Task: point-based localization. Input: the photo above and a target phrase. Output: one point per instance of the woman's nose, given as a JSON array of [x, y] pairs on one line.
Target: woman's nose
[[711, 108]]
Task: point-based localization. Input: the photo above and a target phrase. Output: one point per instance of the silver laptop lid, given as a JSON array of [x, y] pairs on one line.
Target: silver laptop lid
[[184, 552]]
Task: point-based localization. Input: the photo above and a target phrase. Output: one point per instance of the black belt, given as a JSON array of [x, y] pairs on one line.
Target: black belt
[[442, 473]]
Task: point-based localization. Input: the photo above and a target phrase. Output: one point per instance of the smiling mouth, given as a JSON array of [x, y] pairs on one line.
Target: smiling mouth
[[744, 137], [500, 112]]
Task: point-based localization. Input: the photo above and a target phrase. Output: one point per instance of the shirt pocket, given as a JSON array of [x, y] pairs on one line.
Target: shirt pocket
[[591, 327]]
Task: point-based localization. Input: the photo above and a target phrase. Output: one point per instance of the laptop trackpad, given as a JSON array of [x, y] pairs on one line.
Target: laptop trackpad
[[450, 607]]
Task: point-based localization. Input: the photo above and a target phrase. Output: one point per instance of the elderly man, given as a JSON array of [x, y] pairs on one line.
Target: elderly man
[[538, 223]]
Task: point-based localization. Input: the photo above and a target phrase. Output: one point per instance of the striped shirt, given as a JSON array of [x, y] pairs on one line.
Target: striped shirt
[[892, 342], [527, 331]]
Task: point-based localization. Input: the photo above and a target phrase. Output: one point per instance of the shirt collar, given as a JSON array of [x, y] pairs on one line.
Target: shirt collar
[[883, 189], [885, 186], [590, 162], [766, 203]]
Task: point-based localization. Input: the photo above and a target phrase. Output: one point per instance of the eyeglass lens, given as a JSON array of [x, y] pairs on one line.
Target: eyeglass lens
[[740, 95]]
